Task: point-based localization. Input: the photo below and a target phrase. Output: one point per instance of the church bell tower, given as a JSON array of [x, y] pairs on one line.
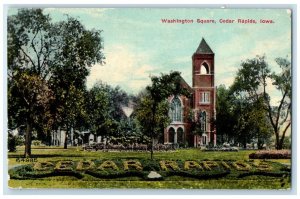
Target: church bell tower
[[204, 99]]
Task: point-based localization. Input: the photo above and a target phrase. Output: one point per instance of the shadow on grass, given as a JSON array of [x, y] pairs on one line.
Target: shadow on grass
[[44, 155]]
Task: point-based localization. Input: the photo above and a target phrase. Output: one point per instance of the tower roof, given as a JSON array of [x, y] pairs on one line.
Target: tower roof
[[203, 48]]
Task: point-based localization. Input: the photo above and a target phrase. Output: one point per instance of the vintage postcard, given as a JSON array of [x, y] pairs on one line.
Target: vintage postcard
[[152, 98]]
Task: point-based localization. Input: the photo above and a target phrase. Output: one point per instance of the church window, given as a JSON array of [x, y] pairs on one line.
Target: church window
[[176, 109], [171, 135], [204, 69], [204, 140], [203, 121], [204, 97]]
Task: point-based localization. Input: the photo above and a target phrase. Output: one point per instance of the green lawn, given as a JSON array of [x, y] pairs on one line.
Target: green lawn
[[75, 154], [200, 184]]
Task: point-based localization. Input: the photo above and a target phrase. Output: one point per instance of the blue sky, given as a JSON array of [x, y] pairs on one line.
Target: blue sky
[[137, 44]]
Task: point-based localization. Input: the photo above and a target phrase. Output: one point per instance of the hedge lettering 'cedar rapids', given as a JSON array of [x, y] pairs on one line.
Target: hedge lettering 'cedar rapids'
[[165, 165], [123, 168]]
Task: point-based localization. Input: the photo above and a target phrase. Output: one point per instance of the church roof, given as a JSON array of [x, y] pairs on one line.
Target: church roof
[[203, 48], [186, 85]]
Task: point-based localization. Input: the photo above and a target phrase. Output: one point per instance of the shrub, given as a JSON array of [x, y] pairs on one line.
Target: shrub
[[108, 165], [132, 163], [106, 169], [209, 164], [115, 174], [64, 165], [263, 166], [150, 165], [273, 154], [263, 173], [241, 166], [225, 165], [28, 172], [36, 143], [20, 172], [197, 175], [85, 165], [191, 164], [165, 164]]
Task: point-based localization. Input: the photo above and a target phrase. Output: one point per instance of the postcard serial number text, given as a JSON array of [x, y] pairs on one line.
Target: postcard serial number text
[[21, 159]]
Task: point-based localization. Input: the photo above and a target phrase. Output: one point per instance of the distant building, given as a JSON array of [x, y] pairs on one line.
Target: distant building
[[202, 104]]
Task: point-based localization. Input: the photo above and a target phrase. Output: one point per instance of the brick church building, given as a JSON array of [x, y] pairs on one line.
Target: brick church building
[[199, 109]]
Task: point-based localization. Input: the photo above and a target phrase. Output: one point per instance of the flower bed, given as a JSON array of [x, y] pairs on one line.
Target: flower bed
[[28, 172], [140, 168], [272, 154]]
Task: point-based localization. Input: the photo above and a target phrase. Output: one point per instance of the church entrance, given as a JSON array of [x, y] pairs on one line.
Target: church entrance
[[180, 136], [171, 135]]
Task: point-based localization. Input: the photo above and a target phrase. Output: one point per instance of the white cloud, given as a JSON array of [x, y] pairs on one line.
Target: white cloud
[[93, 12], [182, 59], [227, 81], [124, 68], [229, 63], [273, 47]]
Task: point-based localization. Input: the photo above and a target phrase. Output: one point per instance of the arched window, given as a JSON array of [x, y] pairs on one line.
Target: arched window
[[180, 135], [204, 69], [203, 121], [176, 109], [171, 135]]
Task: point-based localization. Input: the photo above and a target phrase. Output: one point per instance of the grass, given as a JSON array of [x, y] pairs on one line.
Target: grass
[[172, 182], [53, 154], [200, 184]]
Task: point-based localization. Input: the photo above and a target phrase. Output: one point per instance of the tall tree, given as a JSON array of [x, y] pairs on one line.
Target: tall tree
[[28, 104], [249, 122], [143, 114], [78, 50], [104, 109], [251, 83], [49, 52], [161, 88], [280, 116], [261, 122], [29, 50], [98, 110], [225, 117]]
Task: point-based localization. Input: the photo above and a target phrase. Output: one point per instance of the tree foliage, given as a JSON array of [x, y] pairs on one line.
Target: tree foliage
[[29, 100], [46, 62], [144, 112], [104, 107], [161, 88], [280, 116], [256, 114], [226, 117]]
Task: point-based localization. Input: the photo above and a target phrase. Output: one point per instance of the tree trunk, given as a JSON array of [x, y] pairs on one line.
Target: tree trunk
[[153, 127], [222, 138], [283, 136], [277, 145], [28, 140], [152, 140], [245, 143], [66, 140]]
